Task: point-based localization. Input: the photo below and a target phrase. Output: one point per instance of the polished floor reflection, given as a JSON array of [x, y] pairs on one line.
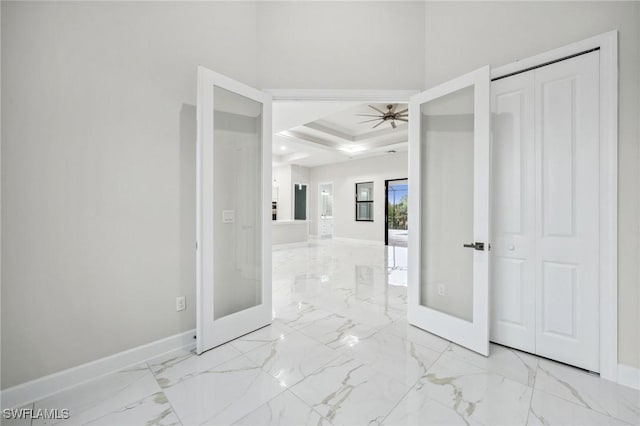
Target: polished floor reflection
[[340, 352], [398, 237]]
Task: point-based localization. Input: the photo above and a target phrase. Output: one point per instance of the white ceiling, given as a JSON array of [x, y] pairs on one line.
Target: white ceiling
[[315, 133], [289, 114]]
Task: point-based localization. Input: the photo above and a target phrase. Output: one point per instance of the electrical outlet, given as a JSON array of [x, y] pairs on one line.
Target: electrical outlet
[[440, 289], [181, 303]]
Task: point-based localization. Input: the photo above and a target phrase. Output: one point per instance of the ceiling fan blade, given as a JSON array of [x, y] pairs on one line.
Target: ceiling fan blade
[[403, 111], [368, 115], [393, 124], [381, 121], [376, 109], [393, 108], [402, 119], [368, 121]]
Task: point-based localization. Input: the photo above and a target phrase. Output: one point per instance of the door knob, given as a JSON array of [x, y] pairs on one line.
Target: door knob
[[476, 246]]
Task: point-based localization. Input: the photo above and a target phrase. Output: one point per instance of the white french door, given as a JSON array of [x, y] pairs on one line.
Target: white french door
[[233, 215], [449, 206]]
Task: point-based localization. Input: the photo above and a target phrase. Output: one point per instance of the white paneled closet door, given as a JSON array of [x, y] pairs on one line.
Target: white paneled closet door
[[513, 213], [567, 206], [545, 286]]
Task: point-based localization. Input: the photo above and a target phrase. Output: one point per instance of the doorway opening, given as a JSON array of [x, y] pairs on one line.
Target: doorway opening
[[326, 210], [396, 231]]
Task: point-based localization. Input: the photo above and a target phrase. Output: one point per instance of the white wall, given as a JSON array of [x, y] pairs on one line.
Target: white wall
[[341, 45], [286, 177], [299, 174], [497, 33], [344, 177], [98, 154], [282, 176], [98, 171]]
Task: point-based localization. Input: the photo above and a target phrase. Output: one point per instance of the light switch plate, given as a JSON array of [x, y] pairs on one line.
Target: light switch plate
[[181, 303], [228, 216]]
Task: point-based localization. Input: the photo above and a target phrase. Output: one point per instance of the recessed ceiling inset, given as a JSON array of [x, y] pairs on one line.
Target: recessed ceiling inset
[[338, 137]]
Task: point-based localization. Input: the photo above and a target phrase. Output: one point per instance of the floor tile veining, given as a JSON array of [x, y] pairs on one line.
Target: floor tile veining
[[340, 351]]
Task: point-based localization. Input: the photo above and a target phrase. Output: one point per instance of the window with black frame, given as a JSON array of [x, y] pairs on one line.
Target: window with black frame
[[364, 202]]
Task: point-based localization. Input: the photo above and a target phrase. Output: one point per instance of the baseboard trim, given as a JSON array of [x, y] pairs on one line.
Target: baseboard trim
[[629, 376], [43, 387]]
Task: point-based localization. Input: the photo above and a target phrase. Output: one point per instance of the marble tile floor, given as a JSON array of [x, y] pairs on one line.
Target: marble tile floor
[[340, 351]]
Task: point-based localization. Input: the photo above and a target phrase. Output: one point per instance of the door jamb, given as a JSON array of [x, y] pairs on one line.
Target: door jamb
[[333, 207], [608, 177]]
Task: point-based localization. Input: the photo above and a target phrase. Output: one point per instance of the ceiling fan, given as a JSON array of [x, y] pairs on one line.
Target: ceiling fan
[[391, 115]]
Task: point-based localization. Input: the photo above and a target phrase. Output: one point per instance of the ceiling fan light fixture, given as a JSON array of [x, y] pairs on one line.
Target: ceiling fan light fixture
[[391, 115]]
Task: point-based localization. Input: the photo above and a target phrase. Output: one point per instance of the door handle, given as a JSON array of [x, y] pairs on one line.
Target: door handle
[[476, 246]]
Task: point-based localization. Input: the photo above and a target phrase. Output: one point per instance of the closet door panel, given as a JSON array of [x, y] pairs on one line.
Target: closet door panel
[[558, 154], [559, 295], [567, 200], [512, 281]]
